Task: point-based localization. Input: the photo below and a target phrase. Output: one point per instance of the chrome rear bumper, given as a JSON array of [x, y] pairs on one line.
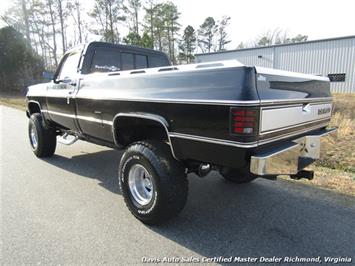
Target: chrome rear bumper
[[290, 158]]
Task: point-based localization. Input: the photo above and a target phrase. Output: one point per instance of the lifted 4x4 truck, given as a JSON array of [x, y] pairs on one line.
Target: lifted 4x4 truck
[[245, 122]]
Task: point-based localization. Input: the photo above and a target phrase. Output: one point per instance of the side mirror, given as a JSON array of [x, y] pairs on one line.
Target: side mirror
[[48, 75], [66, 80]]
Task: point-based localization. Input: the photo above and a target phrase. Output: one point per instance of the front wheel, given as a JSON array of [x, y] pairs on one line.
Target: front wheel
[[43, 140], [152, 182], [238, 176]]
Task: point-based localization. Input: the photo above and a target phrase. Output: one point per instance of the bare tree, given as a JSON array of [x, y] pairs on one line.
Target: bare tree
[[222, 33], [62, 16], [53, 34], [75, 8], [278, 36], [25, 17], [133, 7]]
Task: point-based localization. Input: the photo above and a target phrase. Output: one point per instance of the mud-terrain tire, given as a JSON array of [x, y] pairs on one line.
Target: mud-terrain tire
[[43, 139], [153, 184], [238, 176]]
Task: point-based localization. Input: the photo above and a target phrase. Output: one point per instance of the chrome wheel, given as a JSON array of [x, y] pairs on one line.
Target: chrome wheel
[[33, 137], [140, 184]]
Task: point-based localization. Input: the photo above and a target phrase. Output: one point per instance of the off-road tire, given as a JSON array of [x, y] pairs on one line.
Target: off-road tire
[[46, 137], [238, 176], [168, 177]]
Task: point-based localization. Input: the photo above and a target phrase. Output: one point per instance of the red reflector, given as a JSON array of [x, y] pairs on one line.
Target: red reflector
[[238, 130], [245, 130], [243, 124], [240, 112], [244, 121], [244, 118]]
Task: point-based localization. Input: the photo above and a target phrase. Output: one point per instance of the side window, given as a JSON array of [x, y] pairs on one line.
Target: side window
[[105, 61], [69, 68], [141, 61], [158, 61], [127, 61]]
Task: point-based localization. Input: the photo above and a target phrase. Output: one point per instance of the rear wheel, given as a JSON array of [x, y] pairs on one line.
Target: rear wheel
[[238, 176], [152, 182], [42, 139]]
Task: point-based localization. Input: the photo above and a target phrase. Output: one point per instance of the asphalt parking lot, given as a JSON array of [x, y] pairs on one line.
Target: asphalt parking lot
[[67, 210]]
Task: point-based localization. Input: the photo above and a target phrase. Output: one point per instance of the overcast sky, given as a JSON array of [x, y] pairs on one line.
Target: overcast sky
[[250, 18]]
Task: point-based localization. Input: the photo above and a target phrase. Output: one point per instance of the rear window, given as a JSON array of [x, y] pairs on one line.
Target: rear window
[[107, 60], [141, 61], [158, 61], [112, 60], [127, 61]]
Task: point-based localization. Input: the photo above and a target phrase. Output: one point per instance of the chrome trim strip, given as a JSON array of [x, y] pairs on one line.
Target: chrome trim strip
[[278, 106], [204, 101], [86, 118], [213, 140], [288, 135], [148, 116], [295, 101], [179, 101], [293, 126]]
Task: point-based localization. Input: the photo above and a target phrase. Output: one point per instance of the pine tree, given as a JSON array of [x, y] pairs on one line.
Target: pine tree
[[187, 45], [206, 35]]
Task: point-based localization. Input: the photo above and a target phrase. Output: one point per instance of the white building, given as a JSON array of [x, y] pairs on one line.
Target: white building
[[334, 58]]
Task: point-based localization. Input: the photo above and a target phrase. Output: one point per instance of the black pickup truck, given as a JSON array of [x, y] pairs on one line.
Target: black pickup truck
[[245, 122]]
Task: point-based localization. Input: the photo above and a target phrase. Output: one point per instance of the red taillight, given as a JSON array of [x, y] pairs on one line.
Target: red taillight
[[244, 121]]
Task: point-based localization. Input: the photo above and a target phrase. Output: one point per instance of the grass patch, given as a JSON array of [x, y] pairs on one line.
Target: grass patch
[[340, 154], [18, 102]]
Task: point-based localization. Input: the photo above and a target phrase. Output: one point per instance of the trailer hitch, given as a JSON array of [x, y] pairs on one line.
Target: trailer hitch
[[303, 174]]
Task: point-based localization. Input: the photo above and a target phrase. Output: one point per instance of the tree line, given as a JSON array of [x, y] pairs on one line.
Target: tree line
[[52, 26]]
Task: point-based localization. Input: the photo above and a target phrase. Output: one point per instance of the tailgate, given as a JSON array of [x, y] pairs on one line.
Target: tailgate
[[291, 103]]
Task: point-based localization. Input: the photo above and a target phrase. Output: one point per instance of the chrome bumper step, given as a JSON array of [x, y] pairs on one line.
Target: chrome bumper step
[[290, 158], [67, 139]]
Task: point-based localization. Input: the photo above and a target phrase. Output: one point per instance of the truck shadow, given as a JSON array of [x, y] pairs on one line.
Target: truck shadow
[[263, 218], [102, 166]]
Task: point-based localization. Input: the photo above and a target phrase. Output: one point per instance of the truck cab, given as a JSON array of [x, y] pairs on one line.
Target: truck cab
[[95, 57]]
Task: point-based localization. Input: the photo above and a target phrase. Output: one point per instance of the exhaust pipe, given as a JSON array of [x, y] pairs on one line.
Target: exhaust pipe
[[203, 169], [303, 174]]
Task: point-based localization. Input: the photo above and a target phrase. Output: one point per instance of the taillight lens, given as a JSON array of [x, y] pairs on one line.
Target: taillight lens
[[244, 121]]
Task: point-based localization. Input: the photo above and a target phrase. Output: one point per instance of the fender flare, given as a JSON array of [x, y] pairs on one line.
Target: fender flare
[[156, 118], [33, 102]]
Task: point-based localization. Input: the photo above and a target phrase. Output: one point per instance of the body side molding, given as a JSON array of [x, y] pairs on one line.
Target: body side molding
[[214, 140]]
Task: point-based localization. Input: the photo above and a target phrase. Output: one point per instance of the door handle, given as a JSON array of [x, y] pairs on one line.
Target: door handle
[[70, 93]]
